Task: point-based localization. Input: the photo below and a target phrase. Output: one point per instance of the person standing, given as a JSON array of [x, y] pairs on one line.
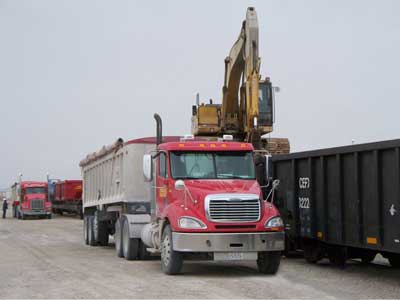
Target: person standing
[[5, 207]]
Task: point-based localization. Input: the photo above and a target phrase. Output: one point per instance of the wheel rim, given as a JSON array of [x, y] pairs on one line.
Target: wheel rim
[[166, 250]]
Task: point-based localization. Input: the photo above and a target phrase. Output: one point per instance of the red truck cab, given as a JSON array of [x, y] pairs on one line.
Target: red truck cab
[[209, 201], [32, 200]]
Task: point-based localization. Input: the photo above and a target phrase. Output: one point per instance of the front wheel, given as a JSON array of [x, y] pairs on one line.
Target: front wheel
[[268, 262], [171, 261]]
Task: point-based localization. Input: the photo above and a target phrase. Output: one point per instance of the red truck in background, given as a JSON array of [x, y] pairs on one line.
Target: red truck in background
[[67, 197], [30, 199]]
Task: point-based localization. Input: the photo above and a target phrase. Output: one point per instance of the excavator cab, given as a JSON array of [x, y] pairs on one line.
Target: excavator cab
[[265, 103]]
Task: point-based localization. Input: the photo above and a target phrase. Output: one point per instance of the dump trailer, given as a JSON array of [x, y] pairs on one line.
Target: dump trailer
[[341, 202], [68, 197], [180, 198]]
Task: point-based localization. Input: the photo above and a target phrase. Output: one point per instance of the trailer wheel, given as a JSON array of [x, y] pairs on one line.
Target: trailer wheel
[[91, 239], [86, 230], [268, 262], [118, 238], [100, 230], [337, 256], [171, 261], [312, 252], [394, 260], [130, 246]]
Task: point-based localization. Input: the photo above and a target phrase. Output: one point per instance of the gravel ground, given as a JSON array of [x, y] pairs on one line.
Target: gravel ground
[[47, 259]]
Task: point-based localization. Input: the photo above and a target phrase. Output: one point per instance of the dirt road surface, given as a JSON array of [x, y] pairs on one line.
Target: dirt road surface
[[47, 259]]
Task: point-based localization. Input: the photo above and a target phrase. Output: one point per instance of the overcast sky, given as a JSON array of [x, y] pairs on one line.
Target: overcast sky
[[75, 75]]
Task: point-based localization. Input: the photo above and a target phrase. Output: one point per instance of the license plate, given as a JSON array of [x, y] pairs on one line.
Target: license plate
[[235, 255]]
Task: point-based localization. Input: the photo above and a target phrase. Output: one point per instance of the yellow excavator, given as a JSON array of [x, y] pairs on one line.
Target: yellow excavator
[[247, 109]]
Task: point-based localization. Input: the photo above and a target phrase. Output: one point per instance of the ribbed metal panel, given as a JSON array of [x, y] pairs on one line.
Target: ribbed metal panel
[[233, 208]]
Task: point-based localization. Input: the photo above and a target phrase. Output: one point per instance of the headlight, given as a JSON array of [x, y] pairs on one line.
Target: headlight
[[274, 222], [191, 223]]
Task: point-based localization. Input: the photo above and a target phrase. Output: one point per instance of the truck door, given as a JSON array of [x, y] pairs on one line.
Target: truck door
[[162, 183]]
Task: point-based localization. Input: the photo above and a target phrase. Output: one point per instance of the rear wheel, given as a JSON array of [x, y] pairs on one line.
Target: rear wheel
[[268, 262], [171, 261], [130, 246], [118, 238], [100, 230]]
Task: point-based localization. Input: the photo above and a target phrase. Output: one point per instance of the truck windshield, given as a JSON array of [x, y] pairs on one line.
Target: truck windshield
[[212, 165], [35, 190]]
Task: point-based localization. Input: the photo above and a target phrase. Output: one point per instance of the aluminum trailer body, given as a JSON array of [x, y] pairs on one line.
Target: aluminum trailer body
[[342, 202]]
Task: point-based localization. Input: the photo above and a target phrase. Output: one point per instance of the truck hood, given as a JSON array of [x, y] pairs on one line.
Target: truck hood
[[199, 189], [35, 196]]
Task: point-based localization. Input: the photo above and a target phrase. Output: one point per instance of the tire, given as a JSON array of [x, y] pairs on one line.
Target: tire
[[118, 238], [86, 230], [337, 256], [171, 261], [268, 262], [91, 239], [100, 230], [49, 216], [394, 260], [312, 252], [130, 246]]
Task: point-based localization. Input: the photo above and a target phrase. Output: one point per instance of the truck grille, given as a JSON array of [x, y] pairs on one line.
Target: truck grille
[[233, 207], [37, 204]]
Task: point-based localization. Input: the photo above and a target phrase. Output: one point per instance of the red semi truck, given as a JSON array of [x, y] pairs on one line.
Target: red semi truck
[[30, 199], [180, 198], [68, 197]]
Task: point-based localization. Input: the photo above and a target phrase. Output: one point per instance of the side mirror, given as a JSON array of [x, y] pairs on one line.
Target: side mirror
[[148, 167], [179, 185]]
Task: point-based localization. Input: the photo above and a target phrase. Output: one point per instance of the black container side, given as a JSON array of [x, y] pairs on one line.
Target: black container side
[[346, 196]]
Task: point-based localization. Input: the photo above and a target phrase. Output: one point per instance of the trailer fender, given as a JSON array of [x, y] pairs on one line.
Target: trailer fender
[[136, 224]]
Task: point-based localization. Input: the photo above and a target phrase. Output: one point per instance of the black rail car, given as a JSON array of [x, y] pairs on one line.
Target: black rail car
[[341, 202]]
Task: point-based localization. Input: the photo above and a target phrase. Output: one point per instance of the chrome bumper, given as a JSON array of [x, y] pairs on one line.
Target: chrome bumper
[[36, 213], [228, 242]]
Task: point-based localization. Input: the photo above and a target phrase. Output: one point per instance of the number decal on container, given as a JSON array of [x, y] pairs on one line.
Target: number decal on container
[[304, 182], [304, 202]]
